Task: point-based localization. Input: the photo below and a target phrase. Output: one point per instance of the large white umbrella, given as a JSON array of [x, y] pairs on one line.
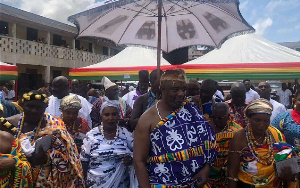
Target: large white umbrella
[[167, 25], [184, 23]]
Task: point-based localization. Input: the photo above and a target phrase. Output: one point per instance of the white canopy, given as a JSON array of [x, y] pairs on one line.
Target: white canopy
[[5, 64], [249, 48], [131, 57]]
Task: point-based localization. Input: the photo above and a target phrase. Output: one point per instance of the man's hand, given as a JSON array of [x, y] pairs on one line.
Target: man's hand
[[6, 164], [39, 158], [127, 160], [202, 176]]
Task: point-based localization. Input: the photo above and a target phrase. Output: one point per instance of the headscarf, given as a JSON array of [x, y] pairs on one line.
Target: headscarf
[[259, 106], [70, 101], [109, 103]]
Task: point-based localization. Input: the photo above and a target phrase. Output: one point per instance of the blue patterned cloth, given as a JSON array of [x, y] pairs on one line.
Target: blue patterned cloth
[[9, 108], [151, 99], [290, 128], [187, 129]]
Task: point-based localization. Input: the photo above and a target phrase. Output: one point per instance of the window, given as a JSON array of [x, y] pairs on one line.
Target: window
[[3, 28], [90, 47], [77, 44], [57, 40], [297, 49], [32, 34], [105, 50]]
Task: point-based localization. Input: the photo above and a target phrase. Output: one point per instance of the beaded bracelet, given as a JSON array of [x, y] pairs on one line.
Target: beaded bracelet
[[233, 179]]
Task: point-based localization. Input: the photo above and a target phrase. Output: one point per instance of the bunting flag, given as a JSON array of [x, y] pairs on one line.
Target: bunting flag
[[8, 72]]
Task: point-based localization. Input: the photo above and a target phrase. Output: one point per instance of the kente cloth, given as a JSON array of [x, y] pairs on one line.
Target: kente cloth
[[96, 116], [151, 99], [253, 173], [181, 144], [217, 174], [9, 109], [130, 97], [78, 131], [238, 113], [84, 112], [105, 167], [20, 176], [288, 126], [63, 168]]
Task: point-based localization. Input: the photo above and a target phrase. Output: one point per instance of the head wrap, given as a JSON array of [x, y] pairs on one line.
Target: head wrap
[[110, 103], [143, 76], [259, 106], [107, 83], [70, 101], [34, 96], [174, 75]]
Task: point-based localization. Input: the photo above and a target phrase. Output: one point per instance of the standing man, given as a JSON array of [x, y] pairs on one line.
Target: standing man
[[264, 90], [174, 144], [251, 95], [285, 96], [112, 96], [74, 84], [146, 101], [237, 103], [60, 90], [141, 89], [193, 88]]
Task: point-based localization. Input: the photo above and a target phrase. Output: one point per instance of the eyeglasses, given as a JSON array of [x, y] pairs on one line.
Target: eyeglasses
[[218, 117]]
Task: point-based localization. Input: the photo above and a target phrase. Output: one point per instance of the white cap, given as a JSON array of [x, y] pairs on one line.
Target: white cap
[[107, 83]]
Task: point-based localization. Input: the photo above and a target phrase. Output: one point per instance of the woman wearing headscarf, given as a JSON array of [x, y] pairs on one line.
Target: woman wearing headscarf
[[54, 165], [289, 123], [76, 126], [254, 150], [106, 152]]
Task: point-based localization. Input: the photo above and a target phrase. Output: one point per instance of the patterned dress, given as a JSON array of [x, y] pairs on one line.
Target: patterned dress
[[63, 167], [254, 174], [105, 167], [238, 113], [181, 144], [217, 175], [288, 126], [20, 176], [79, 131]]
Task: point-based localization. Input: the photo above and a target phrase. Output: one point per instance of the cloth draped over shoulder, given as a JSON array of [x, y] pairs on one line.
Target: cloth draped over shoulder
[[20, 176], [217, 175], [9, 109], [256, 174], [105, 168], [181, 144], [63, 167], [289, 125]]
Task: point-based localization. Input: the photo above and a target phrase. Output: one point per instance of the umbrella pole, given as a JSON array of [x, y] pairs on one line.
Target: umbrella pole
[[159, 19]]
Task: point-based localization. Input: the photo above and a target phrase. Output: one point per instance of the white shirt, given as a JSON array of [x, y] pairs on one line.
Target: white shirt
[[277, 109], [84, 112], [220, 95], [11, 94], [130, 98], [284, 97], [252, 95]]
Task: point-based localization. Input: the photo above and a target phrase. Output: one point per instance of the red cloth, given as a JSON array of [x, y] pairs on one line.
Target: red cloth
[[296, 116]]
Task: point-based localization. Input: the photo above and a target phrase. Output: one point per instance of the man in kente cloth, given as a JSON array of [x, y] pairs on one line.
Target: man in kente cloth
[[174, 145]]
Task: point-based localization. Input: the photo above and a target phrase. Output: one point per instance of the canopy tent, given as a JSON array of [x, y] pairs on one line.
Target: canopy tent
[[8, 72], [246, 57], [123, 66]]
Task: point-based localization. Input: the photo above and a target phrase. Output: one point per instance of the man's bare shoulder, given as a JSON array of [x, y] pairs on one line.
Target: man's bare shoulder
[[14, 119], [143, 97]]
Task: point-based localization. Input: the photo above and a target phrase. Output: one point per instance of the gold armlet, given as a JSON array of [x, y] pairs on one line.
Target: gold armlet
[[233, 179]]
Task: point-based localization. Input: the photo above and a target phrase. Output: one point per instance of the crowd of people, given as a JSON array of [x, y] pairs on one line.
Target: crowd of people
[[170, 132]]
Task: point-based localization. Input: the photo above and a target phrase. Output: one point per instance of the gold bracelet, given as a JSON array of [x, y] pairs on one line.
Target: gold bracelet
[[233, 179]]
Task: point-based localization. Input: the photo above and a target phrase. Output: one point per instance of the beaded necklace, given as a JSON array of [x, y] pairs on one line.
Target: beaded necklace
[[21, 124], [267, 159], [72, 129], [109, 141]]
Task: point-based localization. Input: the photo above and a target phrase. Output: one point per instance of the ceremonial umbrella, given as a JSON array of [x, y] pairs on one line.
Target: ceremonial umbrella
[[165, 24]]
